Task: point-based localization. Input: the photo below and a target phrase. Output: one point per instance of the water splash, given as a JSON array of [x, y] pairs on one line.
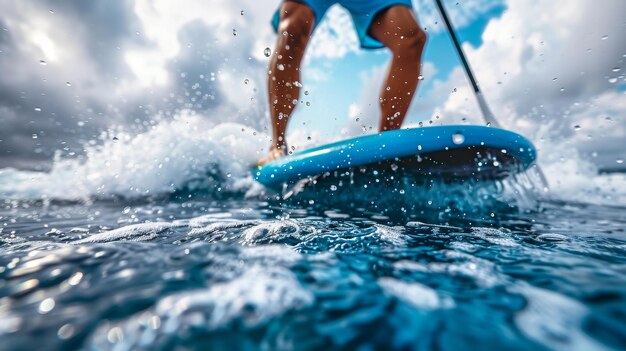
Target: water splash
[[185, 154], [188, 156]]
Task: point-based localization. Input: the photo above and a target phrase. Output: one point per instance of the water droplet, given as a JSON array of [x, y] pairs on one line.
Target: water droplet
[[308, 103], [306, 92], [619, 160], [613, 80], [458, 138], [242, 12], [281, 67], [616, 69], [116, 139], [38, 109], [577, 127], [420, 77], [551, 237], [42, 62], [115, 335], [333, 187], [388, 88], [68, 84], [66, 331], [267, 52], [246, 81], [605, 37], [75, 278], [46, 305], [34, 136], [555, 79]]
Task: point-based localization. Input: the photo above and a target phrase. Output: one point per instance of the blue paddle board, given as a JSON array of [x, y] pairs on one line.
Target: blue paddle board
[[449, 152]]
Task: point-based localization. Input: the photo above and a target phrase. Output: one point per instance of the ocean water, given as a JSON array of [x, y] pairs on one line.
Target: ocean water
[[171, 245]]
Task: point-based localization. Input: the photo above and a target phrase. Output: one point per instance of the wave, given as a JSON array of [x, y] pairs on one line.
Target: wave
[[187, 153], [572, 177]]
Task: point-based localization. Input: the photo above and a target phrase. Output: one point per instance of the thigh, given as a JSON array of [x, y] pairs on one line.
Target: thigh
[[394, 24]]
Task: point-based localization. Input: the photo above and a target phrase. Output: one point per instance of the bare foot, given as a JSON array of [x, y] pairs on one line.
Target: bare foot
[[274, 154]]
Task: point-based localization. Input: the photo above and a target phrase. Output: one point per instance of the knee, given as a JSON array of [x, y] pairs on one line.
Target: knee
[[295, 30], [410, 43]]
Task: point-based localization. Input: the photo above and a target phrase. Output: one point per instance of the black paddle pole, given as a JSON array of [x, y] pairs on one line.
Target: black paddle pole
[[484, 108]]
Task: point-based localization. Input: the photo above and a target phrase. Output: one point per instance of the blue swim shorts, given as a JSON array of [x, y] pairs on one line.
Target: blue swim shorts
[[363, 13]]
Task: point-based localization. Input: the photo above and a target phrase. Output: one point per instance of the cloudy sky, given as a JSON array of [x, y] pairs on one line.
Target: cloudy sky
[[551, 70]]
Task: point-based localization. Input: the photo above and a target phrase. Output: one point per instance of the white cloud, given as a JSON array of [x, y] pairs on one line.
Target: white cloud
[[549, 62], [166, 55], [335, 35], [461, 13], [364, 115], [123, 63]]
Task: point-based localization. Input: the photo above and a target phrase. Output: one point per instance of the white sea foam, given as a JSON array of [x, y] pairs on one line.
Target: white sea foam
[[494, 236], [554, 320], [270, 291], [185, 153], [272, 231], [575, 178], [135, 232], [255, 296], [415, 294], [392, 235]]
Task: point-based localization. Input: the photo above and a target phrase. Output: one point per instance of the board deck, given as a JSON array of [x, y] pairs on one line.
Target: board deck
[[453, 152]]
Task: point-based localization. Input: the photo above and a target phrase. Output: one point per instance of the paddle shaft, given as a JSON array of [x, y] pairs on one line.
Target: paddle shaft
[[482, 103]]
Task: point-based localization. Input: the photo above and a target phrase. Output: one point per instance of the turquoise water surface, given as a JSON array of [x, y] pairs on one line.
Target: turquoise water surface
[[213, 270]]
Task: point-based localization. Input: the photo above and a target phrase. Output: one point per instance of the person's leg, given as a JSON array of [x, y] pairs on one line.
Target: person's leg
[[397, 28], [294, 30]]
